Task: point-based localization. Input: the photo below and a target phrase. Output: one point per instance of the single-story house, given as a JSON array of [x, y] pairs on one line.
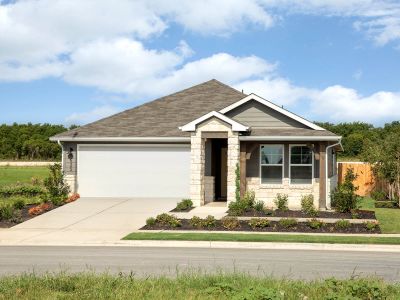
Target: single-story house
[[192, 144]]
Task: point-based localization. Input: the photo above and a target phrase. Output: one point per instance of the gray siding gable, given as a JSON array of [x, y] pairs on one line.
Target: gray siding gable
[[257, 115]]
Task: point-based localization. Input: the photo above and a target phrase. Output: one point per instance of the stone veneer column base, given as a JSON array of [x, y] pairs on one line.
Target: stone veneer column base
[[71, 181]]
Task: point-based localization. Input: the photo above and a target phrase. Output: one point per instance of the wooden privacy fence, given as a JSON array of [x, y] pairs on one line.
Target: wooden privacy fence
[[365, 181]]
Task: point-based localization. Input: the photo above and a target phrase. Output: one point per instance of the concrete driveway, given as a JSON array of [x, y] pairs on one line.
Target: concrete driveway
[[87, 220]]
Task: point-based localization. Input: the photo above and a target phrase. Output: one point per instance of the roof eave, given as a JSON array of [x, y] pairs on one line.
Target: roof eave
[[291, 138], [120, 139]]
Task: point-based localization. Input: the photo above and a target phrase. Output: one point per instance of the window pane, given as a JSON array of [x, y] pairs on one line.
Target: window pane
[[301, 175], [295, 159], [271, 174], [271, 154], [301, 155]]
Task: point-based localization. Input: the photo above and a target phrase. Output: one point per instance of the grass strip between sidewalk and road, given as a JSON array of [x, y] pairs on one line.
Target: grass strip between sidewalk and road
[[242, 237]]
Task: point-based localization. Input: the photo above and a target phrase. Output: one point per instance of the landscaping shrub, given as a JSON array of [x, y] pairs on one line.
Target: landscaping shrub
[[230, 223], [6, 211], [344, 198], [249, 199], [386, 204], [281, 201], [307, 205], [18, 203], [185, 204], [259, 205], [72, 198], [259, 223], [21, 190], [39, 209], [168, 220], [315, 223], [151, 221], [371, 225], [196, 221], [288, 222], [378, 195], [56, 187], [342, 224], [237, 208], [209, 221]]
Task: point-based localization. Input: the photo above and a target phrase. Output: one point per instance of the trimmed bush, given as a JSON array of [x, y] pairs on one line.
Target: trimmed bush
[[151, 221], [371, 225], [342, 224], [386, 204], [230, 223], [6, 211], [259, 205], [55, 185], [18, 203], [168, 220], [209, 221], [307, 205], [249, 199], [185, 204], [315, 223], [281, 201], [288, 222], [196, 221], [21, 190], [237, 208], [259, 223], [378, 195]]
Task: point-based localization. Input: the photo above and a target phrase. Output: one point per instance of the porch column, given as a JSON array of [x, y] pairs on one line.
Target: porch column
[[197, 159], [243, 148], [233, 161], [322, 175]]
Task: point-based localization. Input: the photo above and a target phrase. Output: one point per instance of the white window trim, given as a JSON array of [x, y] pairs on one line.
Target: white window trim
[[276, 165], [300, 165]]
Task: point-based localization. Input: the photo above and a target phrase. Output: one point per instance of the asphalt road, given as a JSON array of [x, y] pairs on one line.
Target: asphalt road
[[299, 264]]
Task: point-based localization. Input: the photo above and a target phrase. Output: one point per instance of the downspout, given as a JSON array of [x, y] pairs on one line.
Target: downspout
[[326, 170], [62, 155]]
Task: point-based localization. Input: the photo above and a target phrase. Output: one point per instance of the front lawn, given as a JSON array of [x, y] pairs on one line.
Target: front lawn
[[11, 175], [389, 218], [190, 286], [251, 237]]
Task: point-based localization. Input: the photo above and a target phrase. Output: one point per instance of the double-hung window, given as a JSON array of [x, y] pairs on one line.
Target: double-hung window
[[301, 164], [271, 160]]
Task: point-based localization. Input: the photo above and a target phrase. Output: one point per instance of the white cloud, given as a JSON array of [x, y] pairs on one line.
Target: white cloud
[[93, 115]]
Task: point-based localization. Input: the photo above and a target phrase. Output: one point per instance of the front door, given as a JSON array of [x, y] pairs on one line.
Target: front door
[[224, 179]]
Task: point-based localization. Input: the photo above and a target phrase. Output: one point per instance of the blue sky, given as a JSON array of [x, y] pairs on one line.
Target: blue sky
[[328, 61]]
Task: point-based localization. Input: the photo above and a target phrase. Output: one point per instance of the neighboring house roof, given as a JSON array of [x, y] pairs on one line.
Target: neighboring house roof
[[236, 126], [162, 119]]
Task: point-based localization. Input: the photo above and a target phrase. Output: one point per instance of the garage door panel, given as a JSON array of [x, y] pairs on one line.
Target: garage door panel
[[134, 171]]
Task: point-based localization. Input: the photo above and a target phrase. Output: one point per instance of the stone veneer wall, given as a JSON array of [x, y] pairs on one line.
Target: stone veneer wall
[[197, 182], [70, 166], [267, 193], [209, 193]]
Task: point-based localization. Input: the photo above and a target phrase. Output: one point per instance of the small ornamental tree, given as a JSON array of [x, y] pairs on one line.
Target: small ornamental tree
[[384, 158], [56, 187], [344, 198]]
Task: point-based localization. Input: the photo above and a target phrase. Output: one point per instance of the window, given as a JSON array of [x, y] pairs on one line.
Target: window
[[271, 160], [301, 164]]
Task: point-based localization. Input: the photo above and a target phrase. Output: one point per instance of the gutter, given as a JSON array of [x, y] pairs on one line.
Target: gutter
[[121, 139], [326, 170], [281, 138]]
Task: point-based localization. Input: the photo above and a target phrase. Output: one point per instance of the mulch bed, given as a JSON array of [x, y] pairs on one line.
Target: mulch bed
[[274, 227], [181, 210], [361, 214], [23, 215]]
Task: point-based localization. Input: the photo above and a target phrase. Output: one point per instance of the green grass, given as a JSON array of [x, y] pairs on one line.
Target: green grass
[[389, 218], [10, 175], [252, 237], [193, 285]]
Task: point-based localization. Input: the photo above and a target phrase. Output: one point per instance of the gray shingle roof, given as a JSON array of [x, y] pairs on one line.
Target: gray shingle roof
[[162, 117]]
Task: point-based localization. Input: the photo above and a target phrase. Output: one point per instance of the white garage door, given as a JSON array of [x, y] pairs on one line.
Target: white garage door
[[134, 170]]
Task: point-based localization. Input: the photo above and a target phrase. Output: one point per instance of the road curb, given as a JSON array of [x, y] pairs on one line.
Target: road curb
[[224, 245]]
